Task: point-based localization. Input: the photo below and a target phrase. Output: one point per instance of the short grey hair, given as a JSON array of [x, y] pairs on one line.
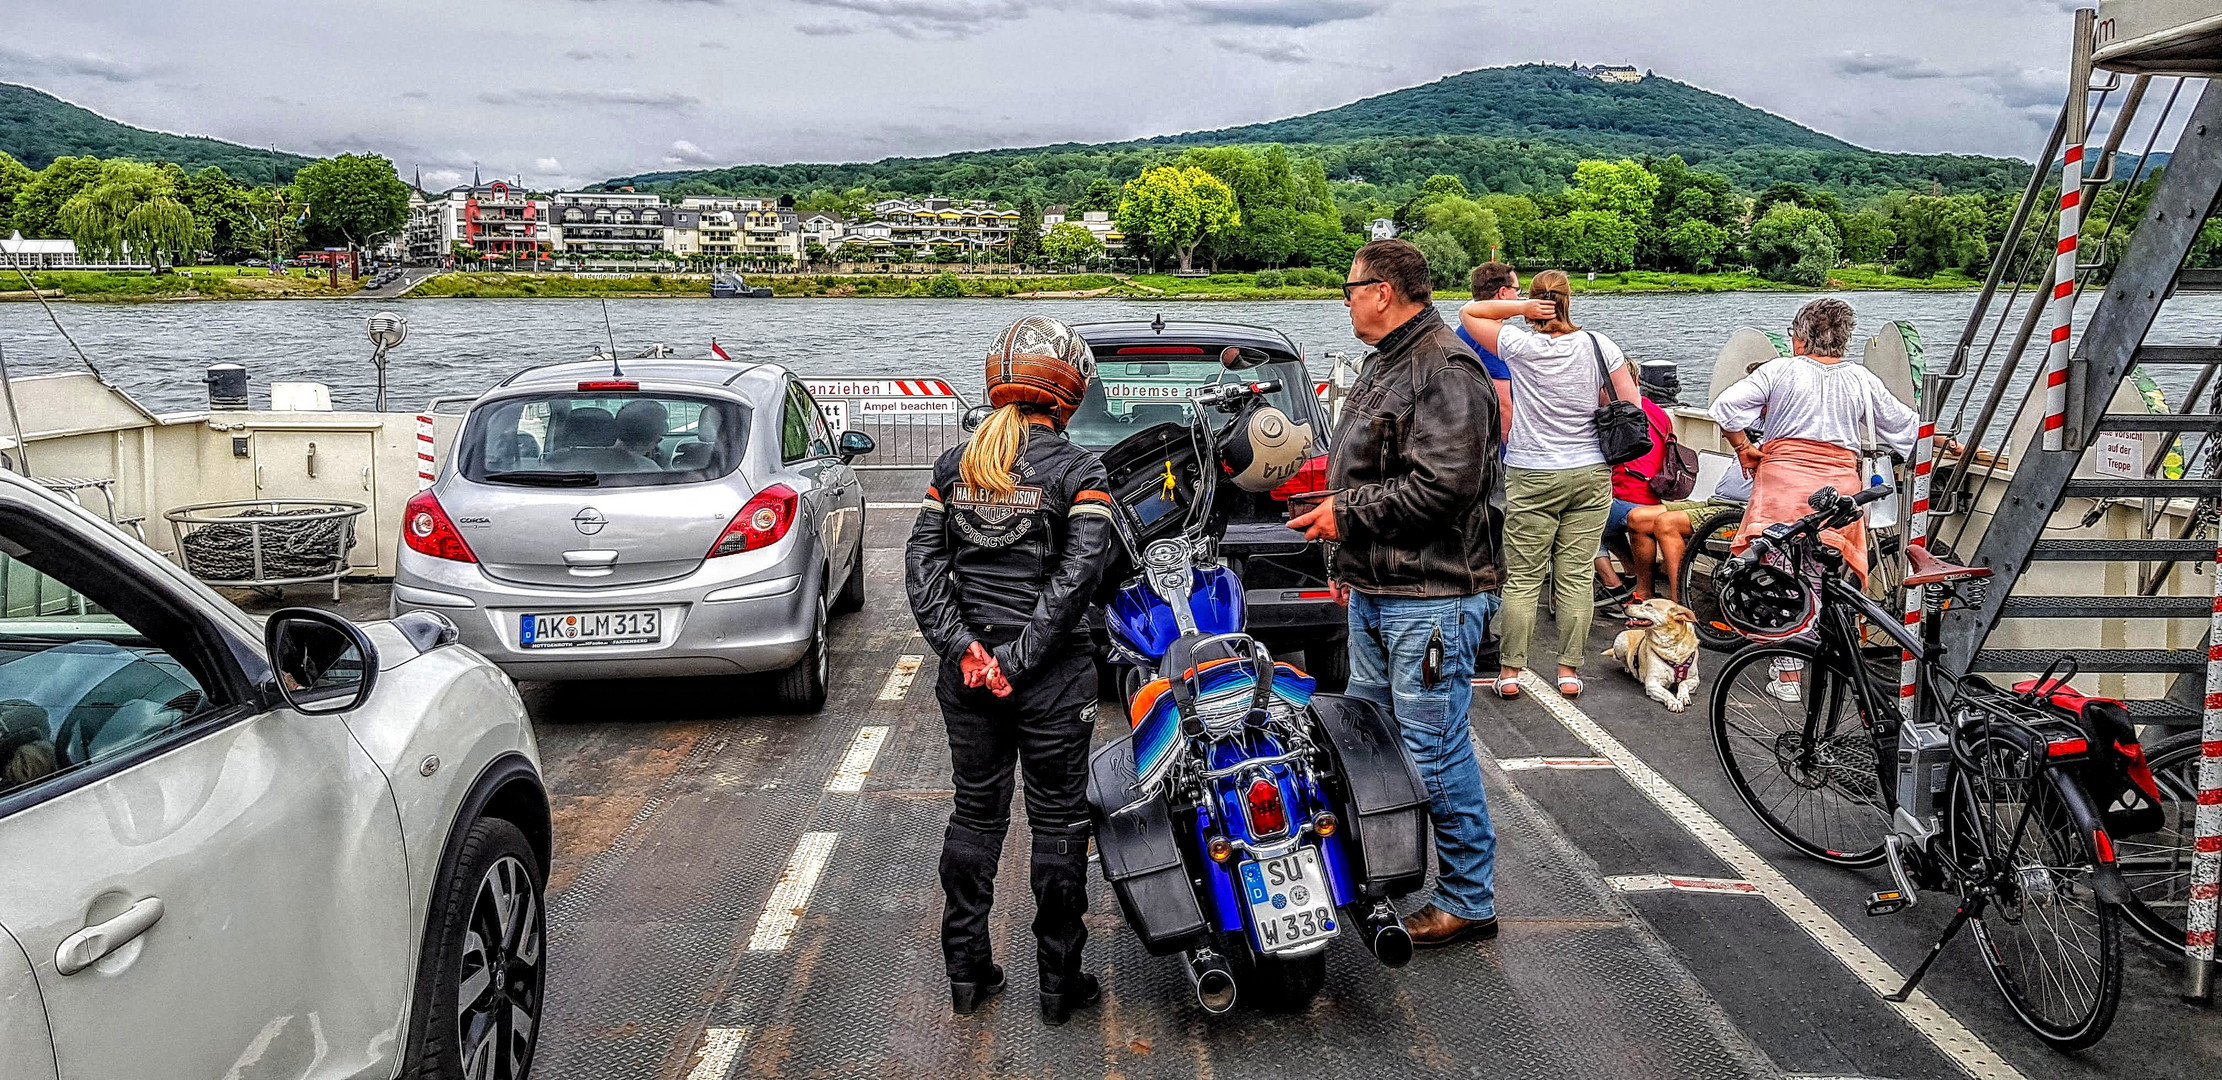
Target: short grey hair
[[1825, 325]]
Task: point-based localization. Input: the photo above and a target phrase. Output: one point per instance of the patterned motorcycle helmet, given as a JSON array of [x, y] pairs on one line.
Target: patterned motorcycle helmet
[[1040, 361], [1765, 602], [1266, 450]]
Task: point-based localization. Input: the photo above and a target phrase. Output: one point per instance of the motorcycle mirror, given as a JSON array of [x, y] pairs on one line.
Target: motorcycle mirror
[[1237, 358], [975, 416]]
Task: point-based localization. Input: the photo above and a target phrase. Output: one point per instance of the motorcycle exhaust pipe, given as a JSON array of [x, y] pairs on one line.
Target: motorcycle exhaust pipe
[[1209, 978], [1384, 936]]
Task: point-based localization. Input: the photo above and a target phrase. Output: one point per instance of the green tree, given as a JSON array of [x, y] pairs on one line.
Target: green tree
[[1696, 245], [813, 251], [1599, 240], [1516, 215], [1443, 184], [1867, 236], [1178, 208], [131, 211], [354, 199], [1448, 262], [1026, 240], [1103, 194], [1070, 244], [14, 177], [1943, 232], [1795, 245], [1474, 226], [944, 284], [1620, 187], [38, 205]]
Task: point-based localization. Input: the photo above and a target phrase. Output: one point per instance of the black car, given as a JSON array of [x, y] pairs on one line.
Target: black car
[[1144, 373]]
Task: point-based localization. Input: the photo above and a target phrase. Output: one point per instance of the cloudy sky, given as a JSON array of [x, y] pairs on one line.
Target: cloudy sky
[[563, 92]]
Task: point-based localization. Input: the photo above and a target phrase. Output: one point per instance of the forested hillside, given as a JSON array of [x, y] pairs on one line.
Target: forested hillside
[[36, 127]]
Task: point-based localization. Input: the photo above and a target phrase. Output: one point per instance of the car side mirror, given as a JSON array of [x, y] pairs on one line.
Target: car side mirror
[[975, 416], [1238, 358], [855, 444], [324, 664]]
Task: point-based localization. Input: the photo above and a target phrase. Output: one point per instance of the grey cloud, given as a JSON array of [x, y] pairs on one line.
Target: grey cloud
[[83, 64], [826, 29], [415, 95], [1887, 65], [1272, 52], [718, 45], [686, 153], [644, 99], [2014, 86], [1289, 13], [964, 18]]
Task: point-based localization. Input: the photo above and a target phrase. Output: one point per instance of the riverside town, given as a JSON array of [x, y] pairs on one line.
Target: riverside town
[[1153, 540]]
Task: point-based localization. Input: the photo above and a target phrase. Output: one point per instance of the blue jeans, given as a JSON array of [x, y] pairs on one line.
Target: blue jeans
[[1388, 643]]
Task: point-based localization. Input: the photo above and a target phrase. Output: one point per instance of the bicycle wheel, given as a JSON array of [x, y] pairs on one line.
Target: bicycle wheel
[[1821, 796], [2052, 946], [2158, 864], [1694, 583]]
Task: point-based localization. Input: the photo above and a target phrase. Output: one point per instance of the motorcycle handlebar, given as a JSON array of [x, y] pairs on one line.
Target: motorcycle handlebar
[[1227, 394]]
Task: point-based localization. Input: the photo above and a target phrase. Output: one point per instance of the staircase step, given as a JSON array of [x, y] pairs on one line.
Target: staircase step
[[2193, 282], [2189, 487], [2179, 354], [2123, 551], [2107, 607], [2093, 661], [2160, 422], [2164, 713]]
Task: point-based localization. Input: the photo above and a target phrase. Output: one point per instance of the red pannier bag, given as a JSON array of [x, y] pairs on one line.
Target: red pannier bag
[[2115, 775]]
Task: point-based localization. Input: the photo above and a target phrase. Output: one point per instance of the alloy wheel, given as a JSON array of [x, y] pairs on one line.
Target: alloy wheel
[[498, 991]]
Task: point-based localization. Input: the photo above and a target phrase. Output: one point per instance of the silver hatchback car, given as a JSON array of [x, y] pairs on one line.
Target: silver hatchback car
[[674, 517]]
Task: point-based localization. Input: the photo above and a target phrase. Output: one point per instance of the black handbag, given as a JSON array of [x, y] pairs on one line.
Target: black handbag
[[1623, 431]]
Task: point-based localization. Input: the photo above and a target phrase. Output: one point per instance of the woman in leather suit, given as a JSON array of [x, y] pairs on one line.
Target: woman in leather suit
[[1008, 545]]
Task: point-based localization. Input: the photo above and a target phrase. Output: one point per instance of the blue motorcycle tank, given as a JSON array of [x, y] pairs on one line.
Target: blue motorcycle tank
[[1143, 622]]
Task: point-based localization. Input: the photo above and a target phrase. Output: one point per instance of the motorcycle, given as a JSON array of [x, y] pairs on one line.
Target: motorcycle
[[1245, 820]]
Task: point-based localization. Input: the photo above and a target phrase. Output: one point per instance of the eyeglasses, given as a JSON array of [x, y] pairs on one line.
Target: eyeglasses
[[1349, 285]]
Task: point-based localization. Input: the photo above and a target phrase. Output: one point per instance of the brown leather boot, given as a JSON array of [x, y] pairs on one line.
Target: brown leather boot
[[1432, 928]]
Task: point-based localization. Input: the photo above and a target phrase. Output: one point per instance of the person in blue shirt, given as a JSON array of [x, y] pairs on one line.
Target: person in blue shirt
[[1495, 281]]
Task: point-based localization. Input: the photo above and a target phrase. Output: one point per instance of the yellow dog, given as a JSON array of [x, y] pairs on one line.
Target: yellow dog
[[1660, 650]]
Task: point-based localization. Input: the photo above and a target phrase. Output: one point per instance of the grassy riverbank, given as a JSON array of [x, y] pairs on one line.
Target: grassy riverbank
[[654, 285], [198, 283]]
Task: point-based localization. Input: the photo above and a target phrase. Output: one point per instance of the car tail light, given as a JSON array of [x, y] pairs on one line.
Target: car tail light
[[1268, 817], [426, 529], [1309, 478], [593, 385], [761, 523]]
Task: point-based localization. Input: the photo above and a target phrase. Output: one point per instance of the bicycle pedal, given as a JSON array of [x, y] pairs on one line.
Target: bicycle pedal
[[1887, 902]]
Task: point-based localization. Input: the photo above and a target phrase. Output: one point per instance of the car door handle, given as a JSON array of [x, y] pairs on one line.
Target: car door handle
[[86, 947]]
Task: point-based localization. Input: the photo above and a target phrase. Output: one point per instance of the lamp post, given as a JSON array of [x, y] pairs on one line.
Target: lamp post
[[387, 329]]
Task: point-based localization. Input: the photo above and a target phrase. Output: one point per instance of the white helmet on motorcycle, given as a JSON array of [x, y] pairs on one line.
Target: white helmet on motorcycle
[[1264, 450]]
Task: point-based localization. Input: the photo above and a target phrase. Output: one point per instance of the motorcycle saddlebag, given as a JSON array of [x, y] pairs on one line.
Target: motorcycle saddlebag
[[1141, 856], [1380, 794]]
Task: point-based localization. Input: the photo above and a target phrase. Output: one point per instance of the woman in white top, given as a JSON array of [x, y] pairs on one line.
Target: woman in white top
[[1820, 414], [1558, 489]]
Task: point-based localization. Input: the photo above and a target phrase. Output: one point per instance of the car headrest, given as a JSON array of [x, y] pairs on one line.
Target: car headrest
[[693, 455], [589, 427]]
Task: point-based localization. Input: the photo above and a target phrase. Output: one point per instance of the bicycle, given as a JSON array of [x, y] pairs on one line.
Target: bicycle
[[1978, 797], [1707, 550]]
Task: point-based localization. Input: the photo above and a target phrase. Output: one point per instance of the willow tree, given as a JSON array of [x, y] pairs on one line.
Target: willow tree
[[1178, 207], [131, 210]]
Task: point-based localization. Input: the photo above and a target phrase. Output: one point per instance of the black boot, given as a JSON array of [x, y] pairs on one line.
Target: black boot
[[1060, 873], [968, 861]]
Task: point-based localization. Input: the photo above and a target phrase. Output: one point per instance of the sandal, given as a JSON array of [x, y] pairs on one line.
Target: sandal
[[1575, 681], [1504, 689]]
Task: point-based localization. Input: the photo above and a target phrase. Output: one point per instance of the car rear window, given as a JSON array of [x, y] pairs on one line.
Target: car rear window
[[1131, 394], [603, 440]]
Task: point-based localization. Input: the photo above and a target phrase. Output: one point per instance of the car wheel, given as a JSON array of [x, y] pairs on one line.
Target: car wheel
[[852, 590], [1327, 661], [484, 969], [802, 688]]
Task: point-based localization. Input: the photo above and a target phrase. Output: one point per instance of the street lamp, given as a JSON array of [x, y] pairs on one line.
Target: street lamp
[[387, 329]]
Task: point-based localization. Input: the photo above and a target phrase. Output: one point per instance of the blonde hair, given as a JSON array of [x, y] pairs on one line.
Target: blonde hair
[[29, 762], [993, 449], [1554, 286]]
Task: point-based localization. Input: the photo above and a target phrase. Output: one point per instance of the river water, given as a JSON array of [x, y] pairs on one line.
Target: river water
[[158, 351]]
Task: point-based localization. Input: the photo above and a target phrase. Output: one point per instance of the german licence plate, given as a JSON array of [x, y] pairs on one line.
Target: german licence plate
[[1289, 901], [631, 627]]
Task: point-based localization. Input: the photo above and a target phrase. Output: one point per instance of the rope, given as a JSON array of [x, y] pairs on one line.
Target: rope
[[225, 550]]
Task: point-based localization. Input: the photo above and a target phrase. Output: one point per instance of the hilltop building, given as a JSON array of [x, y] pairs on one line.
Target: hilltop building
[[1612, 73]]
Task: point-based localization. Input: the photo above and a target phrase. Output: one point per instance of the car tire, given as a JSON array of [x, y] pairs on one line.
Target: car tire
[[851, 597], [802, 688], [492, 887], [1327, 661]]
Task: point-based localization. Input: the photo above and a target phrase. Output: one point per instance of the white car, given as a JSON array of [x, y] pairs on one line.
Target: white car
[[307, 850]]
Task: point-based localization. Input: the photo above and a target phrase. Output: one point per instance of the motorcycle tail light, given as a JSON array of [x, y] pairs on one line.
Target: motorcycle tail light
[[1311, 477], [1268, 817], [761, 523], [426, 529]]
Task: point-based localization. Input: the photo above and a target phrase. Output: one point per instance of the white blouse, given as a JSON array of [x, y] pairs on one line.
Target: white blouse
[[1798, 397]]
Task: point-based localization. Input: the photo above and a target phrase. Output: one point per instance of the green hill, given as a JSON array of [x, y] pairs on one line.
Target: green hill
[[1511, 129], [36, 127]]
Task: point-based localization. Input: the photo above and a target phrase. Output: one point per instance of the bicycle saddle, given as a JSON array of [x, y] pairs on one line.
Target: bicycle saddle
[[1930, 570]]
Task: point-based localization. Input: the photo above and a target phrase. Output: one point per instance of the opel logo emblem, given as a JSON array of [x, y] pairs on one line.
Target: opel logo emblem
[[589, 521]]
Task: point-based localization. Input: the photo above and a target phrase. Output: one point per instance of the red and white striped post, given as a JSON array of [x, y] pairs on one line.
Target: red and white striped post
[[2063, 291], [1917, 535], [424, 452], [2206, 828]]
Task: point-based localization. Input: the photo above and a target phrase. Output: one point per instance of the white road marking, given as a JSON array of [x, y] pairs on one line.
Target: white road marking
[[719, 1047], [1952, 1038], [862, 753], [1525, 764], [776, 927], [900, 678], [1664, 883]]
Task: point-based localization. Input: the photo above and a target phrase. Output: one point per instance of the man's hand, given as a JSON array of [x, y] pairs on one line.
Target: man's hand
[[1341, 591], [980, 669], [1750, 455], [1318, 523]]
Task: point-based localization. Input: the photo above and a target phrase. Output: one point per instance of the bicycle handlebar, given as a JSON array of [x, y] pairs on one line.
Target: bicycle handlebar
[[1830, 511]]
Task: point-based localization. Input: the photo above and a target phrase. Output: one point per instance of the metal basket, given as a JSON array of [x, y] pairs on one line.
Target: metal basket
[[266, 543]]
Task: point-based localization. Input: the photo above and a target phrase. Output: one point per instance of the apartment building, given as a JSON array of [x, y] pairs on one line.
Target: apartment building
[[749, 230], [898, 227], [1097, 222], [608, 223], [493, 219]]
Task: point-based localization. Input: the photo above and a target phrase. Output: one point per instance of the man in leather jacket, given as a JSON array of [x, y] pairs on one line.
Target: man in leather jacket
[[998, 582], [1414, 462]]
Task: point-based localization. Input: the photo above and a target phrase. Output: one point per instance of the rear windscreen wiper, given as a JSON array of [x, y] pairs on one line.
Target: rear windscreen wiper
[[545, 479]]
